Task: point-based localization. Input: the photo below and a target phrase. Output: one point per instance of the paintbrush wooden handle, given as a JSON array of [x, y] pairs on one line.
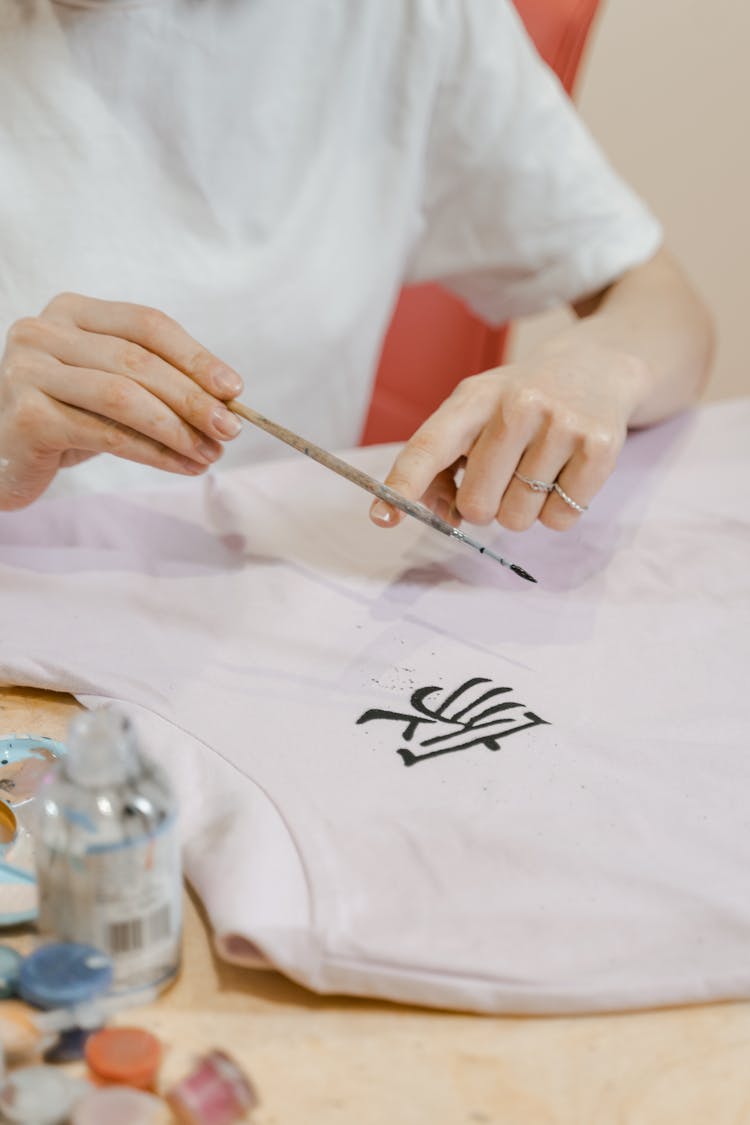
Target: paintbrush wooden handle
[[343, 468], [369, 484]]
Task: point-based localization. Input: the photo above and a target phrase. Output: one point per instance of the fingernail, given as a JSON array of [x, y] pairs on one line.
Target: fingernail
[[382, 512], [227, 382], [227, 424], [192, 467], [207, 451]]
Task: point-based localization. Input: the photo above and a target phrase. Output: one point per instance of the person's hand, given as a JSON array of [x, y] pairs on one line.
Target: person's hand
[[562, 418], [90, 376]]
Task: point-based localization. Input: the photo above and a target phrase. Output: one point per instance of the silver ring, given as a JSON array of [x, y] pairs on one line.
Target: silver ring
[[569, 499], [535, 485]]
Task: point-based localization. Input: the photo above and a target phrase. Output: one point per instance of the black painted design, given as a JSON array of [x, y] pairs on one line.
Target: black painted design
[[466, 719]]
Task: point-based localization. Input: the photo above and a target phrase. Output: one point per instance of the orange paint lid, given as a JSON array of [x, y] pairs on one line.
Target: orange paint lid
[[128, 1056]]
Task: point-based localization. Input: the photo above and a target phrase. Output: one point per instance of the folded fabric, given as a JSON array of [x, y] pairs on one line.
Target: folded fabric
[[403, 771]]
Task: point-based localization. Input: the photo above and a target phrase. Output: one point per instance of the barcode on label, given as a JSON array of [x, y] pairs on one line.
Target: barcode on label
[[140, 933]]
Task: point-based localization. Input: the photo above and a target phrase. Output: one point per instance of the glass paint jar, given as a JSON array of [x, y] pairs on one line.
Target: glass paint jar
[[107, 853]]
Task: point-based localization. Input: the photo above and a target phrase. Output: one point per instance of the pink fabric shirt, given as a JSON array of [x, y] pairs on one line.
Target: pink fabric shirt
[[403, 771]]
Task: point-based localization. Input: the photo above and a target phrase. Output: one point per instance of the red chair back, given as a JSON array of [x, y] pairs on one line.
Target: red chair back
[[434, 341]]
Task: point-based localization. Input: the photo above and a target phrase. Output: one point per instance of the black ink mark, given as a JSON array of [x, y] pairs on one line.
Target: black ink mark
[[480, 721]]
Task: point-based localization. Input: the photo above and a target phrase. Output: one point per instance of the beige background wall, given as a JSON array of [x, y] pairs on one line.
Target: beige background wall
[[666, 89]]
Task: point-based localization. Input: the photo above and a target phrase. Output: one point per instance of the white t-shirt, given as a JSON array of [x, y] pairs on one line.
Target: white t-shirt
[[270, 174], [404, 771]]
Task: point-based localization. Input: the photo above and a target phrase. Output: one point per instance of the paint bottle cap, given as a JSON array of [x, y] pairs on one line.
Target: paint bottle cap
[[128, 1056], [19, 1034], [39, 1095], [216, 1092], [63, 974], [118, 1105], [102, 749], [10, 967]]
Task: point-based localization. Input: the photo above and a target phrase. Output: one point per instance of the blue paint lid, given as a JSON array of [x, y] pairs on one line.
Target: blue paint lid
[[10, 967], [63, 974]]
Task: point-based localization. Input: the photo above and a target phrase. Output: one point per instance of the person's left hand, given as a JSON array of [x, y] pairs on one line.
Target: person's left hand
[[561, 417]]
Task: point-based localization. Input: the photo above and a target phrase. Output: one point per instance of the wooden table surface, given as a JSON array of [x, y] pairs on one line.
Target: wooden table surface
[[319, 1061]]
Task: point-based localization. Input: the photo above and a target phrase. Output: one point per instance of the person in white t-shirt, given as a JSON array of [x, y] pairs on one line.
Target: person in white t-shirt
[[193, 190]]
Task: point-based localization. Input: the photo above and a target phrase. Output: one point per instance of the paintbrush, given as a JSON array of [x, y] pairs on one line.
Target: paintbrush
[[329, 460]]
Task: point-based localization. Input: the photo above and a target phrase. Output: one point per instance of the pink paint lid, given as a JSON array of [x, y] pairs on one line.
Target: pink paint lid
[[216, 1092]]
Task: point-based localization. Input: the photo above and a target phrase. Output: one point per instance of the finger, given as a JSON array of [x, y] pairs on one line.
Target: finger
[[440, 497], [490, 465], [581, 478], [121, 400], [82, 349], [154, 331], [542, 461], [443, 439], [89, 433]]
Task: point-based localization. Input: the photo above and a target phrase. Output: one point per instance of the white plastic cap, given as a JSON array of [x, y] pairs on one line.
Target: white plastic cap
[[102, 749]]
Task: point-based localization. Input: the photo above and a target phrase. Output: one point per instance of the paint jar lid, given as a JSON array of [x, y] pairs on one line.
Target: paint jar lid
[[10, 967], [128, 1056], [19, 1034], [216, 1092], [63, 974], [102, 749], [118, 1105], [39, 1095]]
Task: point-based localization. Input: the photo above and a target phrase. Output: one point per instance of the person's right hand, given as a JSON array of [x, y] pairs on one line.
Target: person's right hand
[[90, 376]]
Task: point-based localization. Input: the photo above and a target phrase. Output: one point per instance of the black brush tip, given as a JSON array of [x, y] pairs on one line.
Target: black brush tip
[[522, 573]]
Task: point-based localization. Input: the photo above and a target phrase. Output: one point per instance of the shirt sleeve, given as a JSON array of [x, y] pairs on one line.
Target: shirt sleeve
[[521, 210]]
